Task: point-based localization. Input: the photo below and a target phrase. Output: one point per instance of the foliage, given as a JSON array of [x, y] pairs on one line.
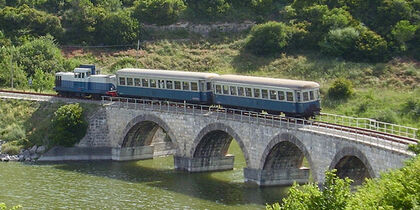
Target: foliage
[[42, 81], [41, 53], [25, 21], [403, 32], [125, 62], [11, 148], [268, 38], [210, 9], [117, 28], [68, 125], [4, 207], [340, 89], [9, 68], [161, 12], [334, 194], [398, 189], [340, 42]]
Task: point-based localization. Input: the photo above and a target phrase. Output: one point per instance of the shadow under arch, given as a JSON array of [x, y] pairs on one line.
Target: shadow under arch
[[352, 157], [295, 143], [222, 131], [146, 120]]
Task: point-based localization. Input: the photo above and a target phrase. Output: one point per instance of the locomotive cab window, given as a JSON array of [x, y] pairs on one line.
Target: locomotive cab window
[[233, 90], [218, 89], [289, 96], [122, 80], [130, 81], [194, 86]]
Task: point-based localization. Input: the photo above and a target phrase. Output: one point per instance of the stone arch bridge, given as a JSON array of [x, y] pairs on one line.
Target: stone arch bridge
[[199, 139]]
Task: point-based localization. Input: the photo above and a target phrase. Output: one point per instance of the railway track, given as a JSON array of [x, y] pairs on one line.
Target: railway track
[[216, 109]]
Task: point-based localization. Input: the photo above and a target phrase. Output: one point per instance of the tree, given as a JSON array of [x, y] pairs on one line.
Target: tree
[[42, 54], [268, 38], [159, 12], [42, 81], [117, 28], [340, 42], [334, 194], [9, 68], [210, 9], [340, 89], [371, 46], [403, 32], [68, 125]]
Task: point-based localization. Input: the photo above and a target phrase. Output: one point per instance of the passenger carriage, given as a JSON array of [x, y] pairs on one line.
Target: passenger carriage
[[292, 97], [84, 81], [168, 85]]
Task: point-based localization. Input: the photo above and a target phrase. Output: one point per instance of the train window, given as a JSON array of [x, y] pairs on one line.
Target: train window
[[185, 85], [241, 91], [122, 80], [311, 95], [273, 94], [225, 90], [129, 81], [177, 85], [79, 75], [145, 82], [317, 94], [218, 89], [161, 84], [194, 86], [281, 95], [169, 84], [233, 90], [208, 85], [257, 92], [298, 99], [305, 96], [289, 96], [248, 92], [83, 75], [153, 83], [137, 82], [75, 75], [264, 93]]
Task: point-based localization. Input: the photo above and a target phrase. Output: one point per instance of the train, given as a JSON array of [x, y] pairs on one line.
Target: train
[[293, 98]]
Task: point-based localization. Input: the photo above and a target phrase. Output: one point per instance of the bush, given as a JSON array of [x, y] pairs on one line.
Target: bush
[[371, 46], [340, 89], [160, 12], [118, 28], [268, 38], [208, 8], [68, 125], [340, 42], [11, 148]]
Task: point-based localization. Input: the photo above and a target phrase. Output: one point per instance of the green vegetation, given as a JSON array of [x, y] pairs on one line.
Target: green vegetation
[[27, 123], [4, 207], [68, 125], [398, 189], [340, 89]]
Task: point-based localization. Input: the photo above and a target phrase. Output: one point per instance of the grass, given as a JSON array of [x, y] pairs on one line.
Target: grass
[[27, 123]]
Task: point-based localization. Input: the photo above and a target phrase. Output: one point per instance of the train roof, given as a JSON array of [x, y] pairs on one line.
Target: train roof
[[288, 83], [167, 73]]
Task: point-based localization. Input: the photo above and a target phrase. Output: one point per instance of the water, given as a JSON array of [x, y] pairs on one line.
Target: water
[[146, 184]]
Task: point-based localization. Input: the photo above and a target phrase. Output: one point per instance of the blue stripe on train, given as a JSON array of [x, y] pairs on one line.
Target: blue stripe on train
[[181, 95], [84, 87], [268, 105]]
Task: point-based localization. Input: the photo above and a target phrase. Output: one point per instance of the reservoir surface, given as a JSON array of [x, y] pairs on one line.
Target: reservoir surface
[[144, 184]]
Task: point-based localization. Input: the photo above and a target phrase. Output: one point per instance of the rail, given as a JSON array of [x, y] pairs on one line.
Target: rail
[[370, 124], [365, 135]]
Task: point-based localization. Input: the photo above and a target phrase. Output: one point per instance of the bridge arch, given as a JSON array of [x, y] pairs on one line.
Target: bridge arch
[[141, 129], [286, 151], [351, 162], [214, 141]]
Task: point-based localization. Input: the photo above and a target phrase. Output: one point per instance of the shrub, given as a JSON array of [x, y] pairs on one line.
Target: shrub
[[68, 125], [340, 89], [268, 38], [11, 148], [158, 11], [371, 46], [118, 28], [340, 42], [208, 8]]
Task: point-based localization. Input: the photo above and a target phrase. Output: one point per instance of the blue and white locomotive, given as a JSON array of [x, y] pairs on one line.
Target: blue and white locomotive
[[292, 97]]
